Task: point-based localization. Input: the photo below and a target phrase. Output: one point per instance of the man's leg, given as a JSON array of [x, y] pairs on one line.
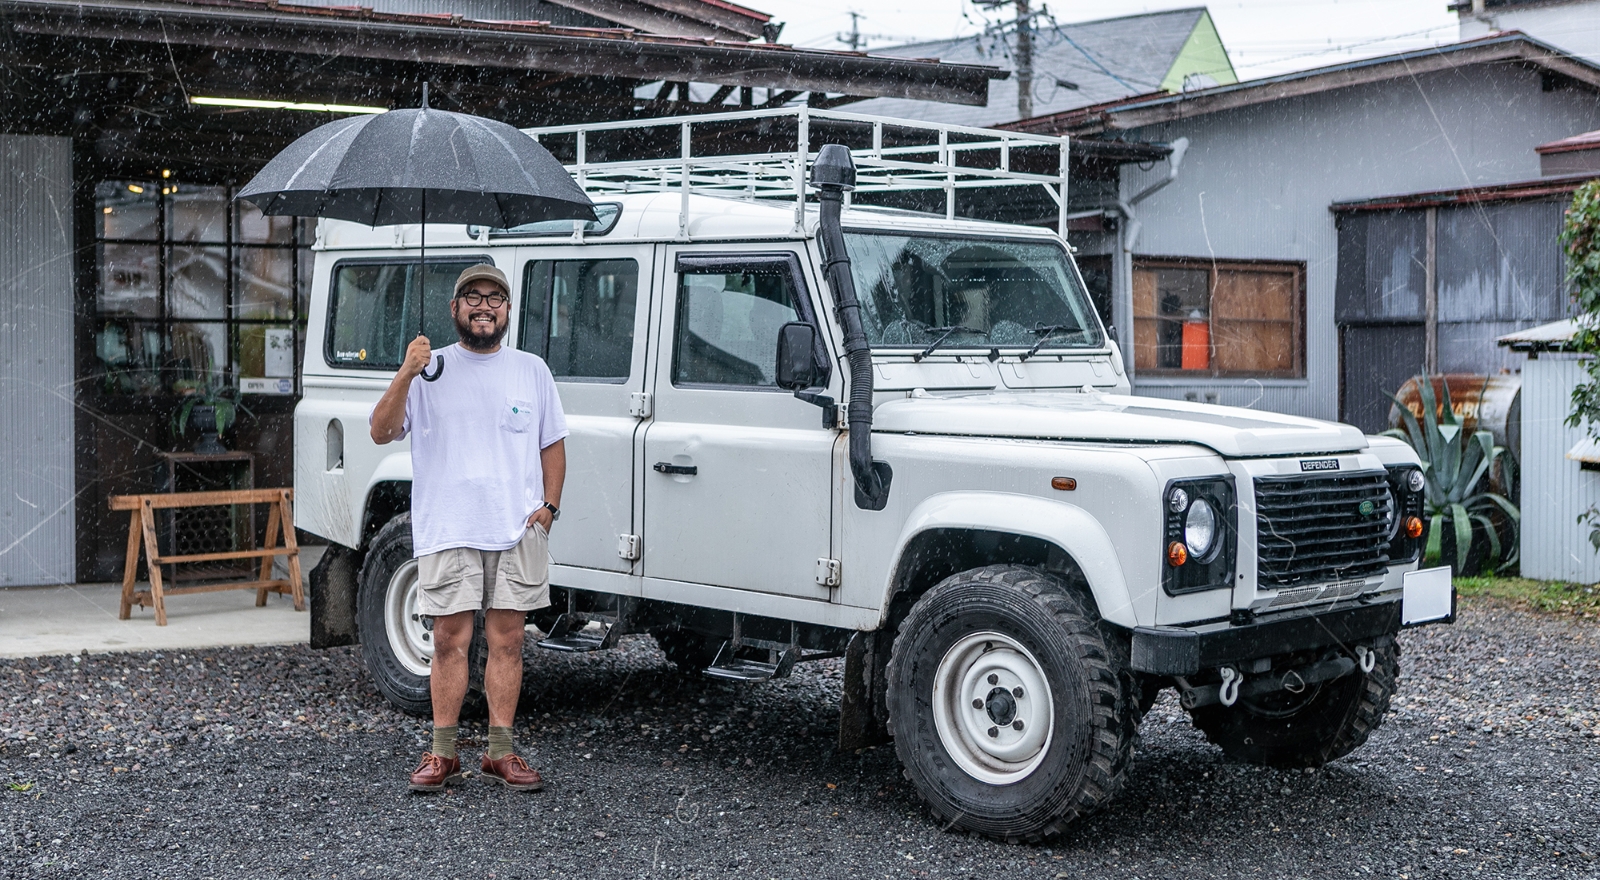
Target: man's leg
[[447, 684], [447, 678], [502, 680]]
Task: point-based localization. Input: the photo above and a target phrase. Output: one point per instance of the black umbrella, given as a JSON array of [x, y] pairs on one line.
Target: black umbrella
[[419, 166]]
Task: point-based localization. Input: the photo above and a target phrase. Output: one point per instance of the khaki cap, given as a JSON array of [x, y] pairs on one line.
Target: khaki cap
[[482, 272]]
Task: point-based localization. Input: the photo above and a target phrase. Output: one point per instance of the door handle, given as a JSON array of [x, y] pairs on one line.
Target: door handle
[[667, 467]]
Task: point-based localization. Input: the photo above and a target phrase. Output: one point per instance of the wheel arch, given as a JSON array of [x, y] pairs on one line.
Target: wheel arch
[[957, 531], [388, 494]]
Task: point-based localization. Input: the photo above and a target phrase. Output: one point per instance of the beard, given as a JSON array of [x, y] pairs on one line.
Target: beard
[[475, 337]]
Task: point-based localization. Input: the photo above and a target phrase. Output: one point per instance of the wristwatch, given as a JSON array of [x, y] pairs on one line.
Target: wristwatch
[[555, 512]]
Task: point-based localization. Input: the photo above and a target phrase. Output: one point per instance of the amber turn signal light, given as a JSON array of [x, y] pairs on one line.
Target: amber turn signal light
[[1413, 526], [1177, 554], [1065, 484]]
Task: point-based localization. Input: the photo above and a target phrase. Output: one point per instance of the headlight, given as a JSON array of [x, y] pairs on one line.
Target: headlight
[[1199, 534], [1200, 528], [1415, 481]]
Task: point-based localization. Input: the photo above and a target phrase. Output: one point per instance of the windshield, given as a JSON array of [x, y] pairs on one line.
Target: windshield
[[981, 292]]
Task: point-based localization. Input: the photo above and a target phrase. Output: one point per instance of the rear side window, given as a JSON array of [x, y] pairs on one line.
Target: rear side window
[[578, 315], [374, 309]]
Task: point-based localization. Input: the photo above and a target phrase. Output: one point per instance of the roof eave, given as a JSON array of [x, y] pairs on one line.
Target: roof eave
[[1160, 107], [237, 25]]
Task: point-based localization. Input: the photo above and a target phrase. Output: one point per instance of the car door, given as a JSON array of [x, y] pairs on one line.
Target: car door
[[740, 472], [584, 310]]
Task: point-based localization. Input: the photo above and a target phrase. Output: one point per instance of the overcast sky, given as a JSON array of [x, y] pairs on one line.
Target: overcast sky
[[1263, 36]]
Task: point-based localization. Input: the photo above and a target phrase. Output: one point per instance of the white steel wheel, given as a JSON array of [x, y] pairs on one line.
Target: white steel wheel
[[1007, 703], [992, 708], [409, 638]]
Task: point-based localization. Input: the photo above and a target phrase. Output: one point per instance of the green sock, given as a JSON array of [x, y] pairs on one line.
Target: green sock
[[499, 742], [444, 741]]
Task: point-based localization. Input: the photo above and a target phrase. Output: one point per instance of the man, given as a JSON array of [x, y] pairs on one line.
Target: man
[[488, 461]]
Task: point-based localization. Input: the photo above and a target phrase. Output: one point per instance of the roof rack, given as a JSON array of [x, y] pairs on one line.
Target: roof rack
[[892, 156]]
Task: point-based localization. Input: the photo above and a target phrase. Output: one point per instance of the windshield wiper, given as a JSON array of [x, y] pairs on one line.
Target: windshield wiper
[[1044, 336], [944, 334]]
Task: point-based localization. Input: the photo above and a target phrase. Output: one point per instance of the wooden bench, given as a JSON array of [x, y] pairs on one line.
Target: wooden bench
[[142, 532]]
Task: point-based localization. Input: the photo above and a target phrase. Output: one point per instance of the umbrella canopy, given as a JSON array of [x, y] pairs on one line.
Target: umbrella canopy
[[419, 166], [394, 167]]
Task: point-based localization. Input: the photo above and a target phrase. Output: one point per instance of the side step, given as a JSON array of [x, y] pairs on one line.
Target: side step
[[569, 635], [730, 667]]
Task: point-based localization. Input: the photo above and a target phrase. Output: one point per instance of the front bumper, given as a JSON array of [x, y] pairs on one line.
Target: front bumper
[[1170, 650]]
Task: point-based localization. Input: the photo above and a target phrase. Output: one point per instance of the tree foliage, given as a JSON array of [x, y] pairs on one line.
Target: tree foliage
[[1580, 241]]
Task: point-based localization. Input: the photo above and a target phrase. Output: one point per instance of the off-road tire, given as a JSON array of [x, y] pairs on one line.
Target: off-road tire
[[1332, 723], [406, 690], [690, 651], [1093, 714]]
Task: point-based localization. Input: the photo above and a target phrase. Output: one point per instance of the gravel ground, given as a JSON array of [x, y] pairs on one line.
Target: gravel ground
[[257, 762]]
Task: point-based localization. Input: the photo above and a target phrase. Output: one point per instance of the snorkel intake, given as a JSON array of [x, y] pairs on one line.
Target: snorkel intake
[[833, 174]]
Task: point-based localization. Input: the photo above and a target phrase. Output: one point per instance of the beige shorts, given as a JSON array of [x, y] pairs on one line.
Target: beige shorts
[[466, 579]]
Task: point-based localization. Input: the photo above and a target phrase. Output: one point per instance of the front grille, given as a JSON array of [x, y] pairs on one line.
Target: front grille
[[1311, 529]]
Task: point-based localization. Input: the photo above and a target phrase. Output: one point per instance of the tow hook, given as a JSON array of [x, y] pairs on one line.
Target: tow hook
[[1228, 694], [1234, 685], [1365, 658]]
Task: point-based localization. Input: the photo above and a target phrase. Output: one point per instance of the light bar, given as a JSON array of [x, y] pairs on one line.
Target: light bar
[[254, 104]]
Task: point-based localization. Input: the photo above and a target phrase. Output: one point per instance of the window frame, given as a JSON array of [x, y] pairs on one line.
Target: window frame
[[1213, 268], [299, 248], [640, 297], [333, 304], [709, 262]]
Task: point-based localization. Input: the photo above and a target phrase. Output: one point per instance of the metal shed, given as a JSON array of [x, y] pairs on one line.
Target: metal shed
[[1557, 487]]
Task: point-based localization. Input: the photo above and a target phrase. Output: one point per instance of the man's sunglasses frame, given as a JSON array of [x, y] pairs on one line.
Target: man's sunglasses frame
[[475, 299]]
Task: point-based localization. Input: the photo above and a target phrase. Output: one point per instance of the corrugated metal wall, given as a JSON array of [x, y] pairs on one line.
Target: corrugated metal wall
[[1500, 271], [1555, 491], [36, 392]]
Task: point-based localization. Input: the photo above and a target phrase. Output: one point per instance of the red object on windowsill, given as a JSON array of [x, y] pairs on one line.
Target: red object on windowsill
[[1196, 342]]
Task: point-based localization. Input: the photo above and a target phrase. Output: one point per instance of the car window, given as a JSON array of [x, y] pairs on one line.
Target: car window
[[982, 292], [578, 315], [727, 323], [374, 309]]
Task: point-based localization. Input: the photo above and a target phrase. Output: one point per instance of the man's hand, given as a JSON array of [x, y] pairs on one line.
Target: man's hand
[[543, 518], [389, 415], [418, 353]]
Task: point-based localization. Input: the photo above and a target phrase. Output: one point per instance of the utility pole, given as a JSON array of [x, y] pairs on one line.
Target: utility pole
[[853, 39], [1023, 24], [1024, 60]]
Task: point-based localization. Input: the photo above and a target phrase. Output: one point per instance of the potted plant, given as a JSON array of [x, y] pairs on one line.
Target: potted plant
[[1460, 506], [207, 410]]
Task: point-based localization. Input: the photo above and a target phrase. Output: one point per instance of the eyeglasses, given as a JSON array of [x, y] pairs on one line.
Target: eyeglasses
[[475, 299]]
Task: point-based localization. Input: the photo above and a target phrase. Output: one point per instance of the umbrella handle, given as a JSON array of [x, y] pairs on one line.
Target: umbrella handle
[[438, 369]]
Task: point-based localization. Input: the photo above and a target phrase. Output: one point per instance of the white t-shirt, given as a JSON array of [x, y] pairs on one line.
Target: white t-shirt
[[476, 435]]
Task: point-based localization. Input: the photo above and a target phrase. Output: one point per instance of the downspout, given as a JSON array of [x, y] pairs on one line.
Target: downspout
[[833, 174], [1128, 234], [1131, 227]]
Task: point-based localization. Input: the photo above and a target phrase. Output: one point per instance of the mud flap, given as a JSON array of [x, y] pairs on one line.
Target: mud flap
[[333, 597], [863, 706]]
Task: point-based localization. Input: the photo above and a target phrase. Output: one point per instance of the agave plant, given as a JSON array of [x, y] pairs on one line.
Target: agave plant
[[1455, 465]]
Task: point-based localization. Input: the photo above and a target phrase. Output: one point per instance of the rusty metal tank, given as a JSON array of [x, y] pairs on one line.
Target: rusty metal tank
[[1492, 402]]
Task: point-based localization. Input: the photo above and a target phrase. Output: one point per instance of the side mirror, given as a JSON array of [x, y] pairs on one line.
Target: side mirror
[[797, 357]]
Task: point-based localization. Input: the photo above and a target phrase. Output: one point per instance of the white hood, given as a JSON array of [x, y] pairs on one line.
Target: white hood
[[1231, 431]]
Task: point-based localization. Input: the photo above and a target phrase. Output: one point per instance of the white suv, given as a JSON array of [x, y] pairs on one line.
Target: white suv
[[811, 430]]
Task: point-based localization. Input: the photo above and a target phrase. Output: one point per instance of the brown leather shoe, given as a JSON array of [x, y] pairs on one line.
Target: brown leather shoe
[[512, 772], [435, 773]]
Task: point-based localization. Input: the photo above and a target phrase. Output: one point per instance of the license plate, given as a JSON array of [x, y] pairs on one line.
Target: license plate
[[1428, 595]]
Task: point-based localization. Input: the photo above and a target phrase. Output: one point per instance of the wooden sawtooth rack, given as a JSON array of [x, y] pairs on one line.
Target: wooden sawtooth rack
[[142, 535]]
